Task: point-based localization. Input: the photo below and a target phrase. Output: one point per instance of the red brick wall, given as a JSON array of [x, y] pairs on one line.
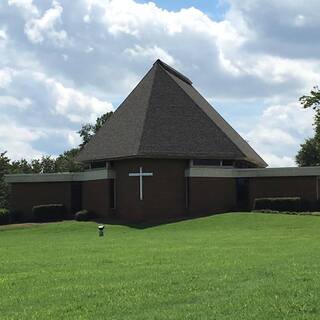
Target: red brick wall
[[92, 195], [96, 197], [26, 195], [164, 193], [304, 187], [211, 195]]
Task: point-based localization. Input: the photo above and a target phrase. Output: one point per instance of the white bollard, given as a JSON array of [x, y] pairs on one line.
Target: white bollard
[[101, 228]]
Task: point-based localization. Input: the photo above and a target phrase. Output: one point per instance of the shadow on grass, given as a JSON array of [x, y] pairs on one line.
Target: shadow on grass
[[143, 224]]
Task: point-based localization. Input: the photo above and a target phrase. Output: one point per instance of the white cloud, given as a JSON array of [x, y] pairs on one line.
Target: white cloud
[[17, 140], [289, 117], [37, 29], [266, 135], [276, 161], [5, 77], [73, 104], [280, 70], [131, 18], [75, 60], [151, 53], [3, 35], [279, 132], [300, 20], [26, 6], [73, 139], [9, 101]]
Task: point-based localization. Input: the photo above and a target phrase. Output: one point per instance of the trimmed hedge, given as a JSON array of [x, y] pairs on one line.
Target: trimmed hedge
[[83, 215], [49, 212], [5, 217], [278, 204], [304, 213]]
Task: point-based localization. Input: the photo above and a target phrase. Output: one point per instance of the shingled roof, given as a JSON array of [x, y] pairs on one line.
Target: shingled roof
[[166, 117]]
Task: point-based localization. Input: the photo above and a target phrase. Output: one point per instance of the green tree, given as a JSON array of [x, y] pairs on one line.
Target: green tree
[[66, 163], [20, 166], [88, 130], [309, 153], [36, 165], [4, 188]]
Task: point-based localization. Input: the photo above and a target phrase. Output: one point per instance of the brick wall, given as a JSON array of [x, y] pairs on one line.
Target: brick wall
[[211, 195], [164, 193]]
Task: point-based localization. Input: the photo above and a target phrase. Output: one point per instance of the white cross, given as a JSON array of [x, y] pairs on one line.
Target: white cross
[[141, 174]]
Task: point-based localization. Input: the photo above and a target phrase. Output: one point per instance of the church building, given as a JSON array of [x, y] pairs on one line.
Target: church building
[[164, 153]]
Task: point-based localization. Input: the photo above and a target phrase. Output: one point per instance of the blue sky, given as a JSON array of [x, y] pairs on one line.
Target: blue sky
[[64, 63], [213, 8]]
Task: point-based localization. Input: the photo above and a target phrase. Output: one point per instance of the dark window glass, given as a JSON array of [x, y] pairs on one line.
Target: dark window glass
[[206, 162], [213, 162], [228, 163], [98, 164]]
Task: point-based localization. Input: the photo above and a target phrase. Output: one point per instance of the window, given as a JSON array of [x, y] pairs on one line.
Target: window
[[206, 162], [228, 163], [98, 165], [213, 162]]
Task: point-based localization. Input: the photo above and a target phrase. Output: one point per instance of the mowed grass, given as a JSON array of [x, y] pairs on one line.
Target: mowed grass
[[232, 266]]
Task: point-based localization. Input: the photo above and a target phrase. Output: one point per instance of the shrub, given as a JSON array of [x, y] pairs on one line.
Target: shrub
[[83, 215], [278, 204], [302, 213], [49, 212], [5, 217], [266, 211]]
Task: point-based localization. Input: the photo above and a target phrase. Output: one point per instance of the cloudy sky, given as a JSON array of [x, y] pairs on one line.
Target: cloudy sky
[[63, 63]]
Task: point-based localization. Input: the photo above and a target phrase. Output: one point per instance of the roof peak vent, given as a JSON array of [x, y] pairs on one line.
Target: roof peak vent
[[173, 71]]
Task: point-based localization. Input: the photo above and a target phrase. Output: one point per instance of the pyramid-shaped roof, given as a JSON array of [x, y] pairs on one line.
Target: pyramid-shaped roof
[[166, 117]]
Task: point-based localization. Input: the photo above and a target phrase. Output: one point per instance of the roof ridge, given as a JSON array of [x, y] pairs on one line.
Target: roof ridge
[[146, 112], [173, 71], [246, 144], [203, 112]]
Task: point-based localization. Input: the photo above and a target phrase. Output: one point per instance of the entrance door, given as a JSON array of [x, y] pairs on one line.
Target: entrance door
[[242, 194]]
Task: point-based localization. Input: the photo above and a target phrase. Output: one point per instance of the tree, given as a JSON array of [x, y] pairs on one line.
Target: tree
[[20, 166], [309, 153], [312, 100], [88, 130], [4, 189], [65, 162]]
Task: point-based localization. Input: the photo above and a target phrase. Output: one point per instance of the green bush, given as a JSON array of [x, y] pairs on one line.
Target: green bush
[[301, 213], [83, 215], [5, 217], [266, 211], [278, 204], [49, 212]]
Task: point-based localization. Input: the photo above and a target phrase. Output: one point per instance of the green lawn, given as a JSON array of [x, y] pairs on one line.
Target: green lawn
[[232, 266]]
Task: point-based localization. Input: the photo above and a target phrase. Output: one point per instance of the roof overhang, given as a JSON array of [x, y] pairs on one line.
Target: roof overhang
[[61, 177], [212, 172], [178, 156]]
